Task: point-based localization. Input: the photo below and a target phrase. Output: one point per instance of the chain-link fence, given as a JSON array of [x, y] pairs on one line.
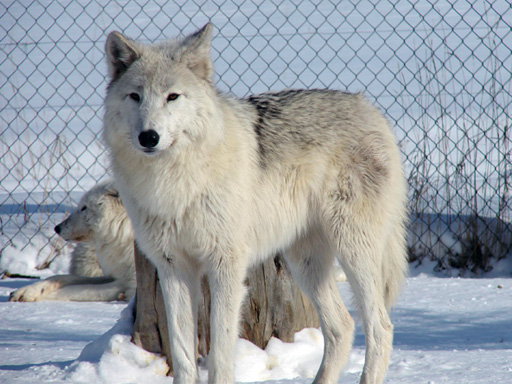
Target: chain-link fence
[[440, 70]]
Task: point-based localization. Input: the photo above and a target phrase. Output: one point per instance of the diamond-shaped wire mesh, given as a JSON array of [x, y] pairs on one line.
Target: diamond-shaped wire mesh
[[440, 70]]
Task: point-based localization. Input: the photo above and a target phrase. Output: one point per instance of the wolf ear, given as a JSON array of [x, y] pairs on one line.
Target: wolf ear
[[121, 53], [196, 52], [112, 192]]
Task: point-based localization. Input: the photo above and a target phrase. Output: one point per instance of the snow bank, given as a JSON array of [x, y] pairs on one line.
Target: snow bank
[[447, 330]]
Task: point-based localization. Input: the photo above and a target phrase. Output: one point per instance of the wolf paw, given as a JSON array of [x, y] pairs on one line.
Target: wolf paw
[[33, 292]]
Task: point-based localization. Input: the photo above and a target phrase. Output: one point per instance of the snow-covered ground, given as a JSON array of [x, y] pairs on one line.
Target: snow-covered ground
[[447, 330]]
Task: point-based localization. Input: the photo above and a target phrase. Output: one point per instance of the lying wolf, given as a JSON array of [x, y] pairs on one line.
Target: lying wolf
[[213, 184], [104, 234]]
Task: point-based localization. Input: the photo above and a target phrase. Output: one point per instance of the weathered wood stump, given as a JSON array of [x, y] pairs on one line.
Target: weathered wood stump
[[274, 306]]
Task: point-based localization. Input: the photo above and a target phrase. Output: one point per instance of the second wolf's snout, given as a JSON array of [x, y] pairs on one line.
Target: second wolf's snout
[[149, 139]]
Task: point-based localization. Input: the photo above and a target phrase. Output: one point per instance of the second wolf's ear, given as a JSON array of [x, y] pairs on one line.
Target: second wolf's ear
[[112, 192], [196, 52], [121, 53]]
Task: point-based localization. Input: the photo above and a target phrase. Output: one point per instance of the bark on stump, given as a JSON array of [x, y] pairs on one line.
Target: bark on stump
[[274, 306]]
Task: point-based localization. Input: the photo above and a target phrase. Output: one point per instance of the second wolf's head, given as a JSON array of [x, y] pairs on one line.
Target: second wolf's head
[[99, 211], [160, 95]]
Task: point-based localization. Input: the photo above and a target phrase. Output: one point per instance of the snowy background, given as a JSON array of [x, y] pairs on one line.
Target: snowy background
[[440, 71]]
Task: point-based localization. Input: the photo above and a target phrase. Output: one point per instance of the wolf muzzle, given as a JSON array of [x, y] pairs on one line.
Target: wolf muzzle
[[149, 139]]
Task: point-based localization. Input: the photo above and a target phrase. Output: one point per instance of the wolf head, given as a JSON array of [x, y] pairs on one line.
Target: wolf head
[[159, 95], [94, 212]]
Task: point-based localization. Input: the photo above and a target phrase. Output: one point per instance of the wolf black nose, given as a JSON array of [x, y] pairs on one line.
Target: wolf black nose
[[149, 139], [57, 229]]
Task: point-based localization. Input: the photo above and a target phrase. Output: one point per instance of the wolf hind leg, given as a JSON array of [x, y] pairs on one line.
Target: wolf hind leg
[[377, 326], [310, 260], [361, 256], [180, 288]]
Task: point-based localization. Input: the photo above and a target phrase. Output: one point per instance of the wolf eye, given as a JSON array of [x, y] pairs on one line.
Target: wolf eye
[[172, 96], [134, 96], [84, 208]]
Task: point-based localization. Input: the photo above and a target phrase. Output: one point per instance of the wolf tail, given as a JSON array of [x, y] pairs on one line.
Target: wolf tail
[[394, 265]]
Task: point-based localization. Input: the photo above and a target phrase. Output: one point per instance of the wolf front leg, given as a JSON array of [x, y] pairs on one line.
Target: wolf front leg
[[180, 288], [227, 293]]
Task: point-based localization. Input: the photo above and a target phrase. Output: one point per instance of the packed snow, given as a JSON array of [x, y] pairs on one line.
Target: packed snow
[[447, 330]]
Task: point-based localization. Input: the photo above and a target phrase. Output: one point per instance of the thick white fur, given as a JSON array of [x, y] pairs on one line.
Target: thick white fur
[[102, 228], [229, 182]]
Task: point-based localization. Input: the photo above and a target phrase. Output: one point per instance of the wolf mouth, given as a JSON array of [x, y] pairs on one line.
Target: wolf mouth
[[153, 151]]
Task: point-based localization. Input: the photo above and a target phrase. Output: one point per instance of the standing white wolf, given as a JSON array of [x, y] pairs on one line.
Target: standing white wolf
[[213, 184]]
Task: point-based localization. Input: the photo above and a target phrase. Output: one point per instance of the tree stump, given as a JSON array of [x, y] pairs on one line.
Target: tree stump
[[274, 306]]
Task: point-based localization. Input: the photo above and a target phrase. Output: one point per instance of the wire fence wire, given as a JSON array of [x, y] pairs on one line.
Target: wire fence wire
[[440, 70]]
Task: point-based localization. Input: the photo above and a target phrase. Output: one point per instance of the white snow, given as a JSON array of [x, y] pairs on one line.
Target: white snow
[[447, 330]]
